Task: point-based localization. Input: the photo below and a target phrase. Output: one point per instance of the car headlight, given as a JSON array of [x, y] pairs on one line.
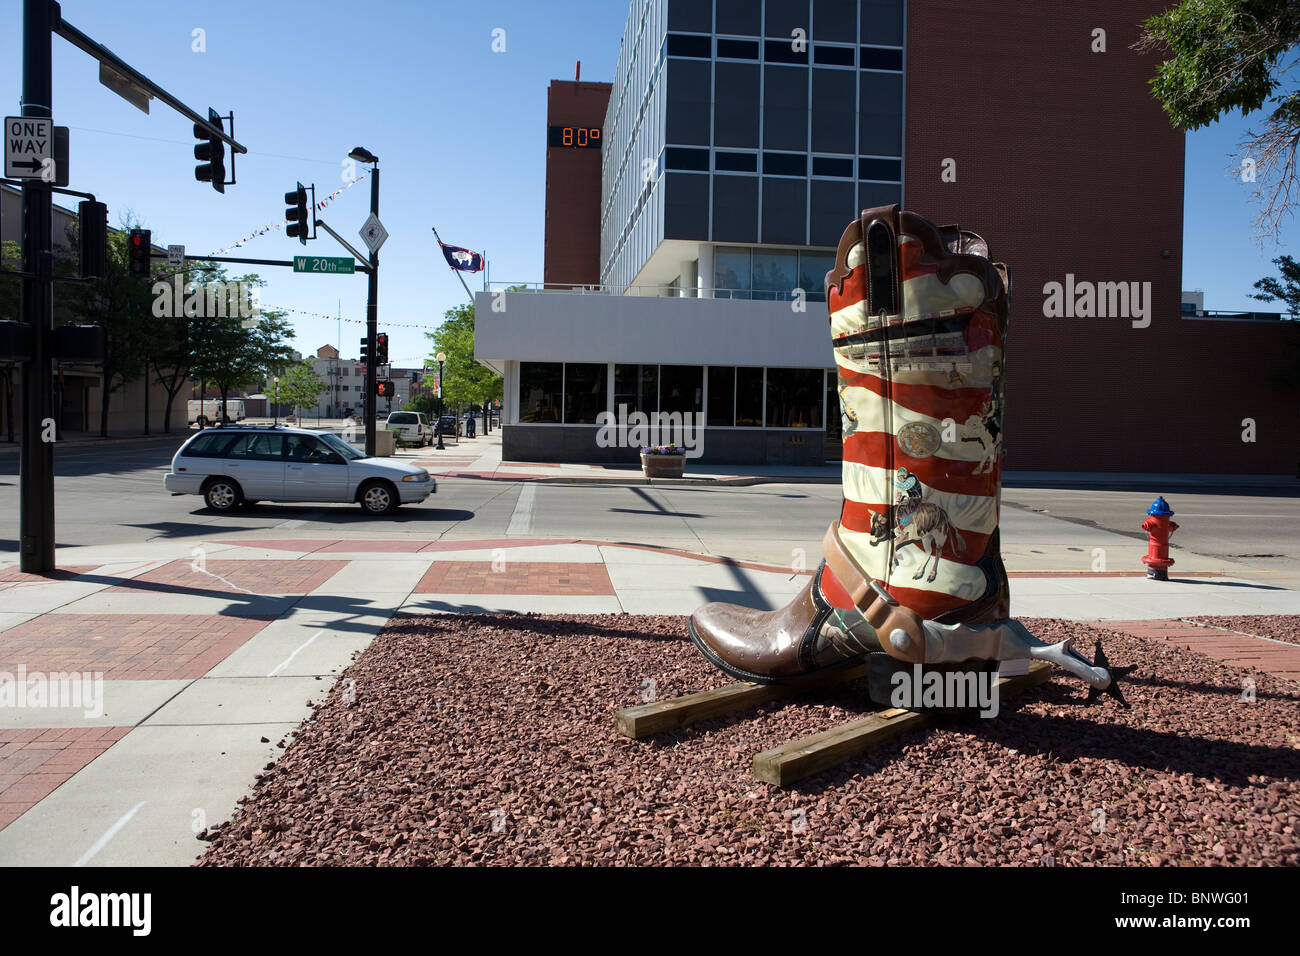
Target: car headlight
[[424, 477]]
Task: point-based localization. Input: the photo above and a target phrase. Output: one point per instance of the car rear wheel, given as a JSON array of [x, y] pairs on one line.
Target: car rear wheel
[[378, 498], [222, 494], [202, 421]]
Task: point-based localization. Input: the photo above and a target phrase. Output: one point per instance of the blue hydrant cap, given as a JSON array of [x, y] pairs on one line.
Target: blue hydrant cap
[[1160, 507]]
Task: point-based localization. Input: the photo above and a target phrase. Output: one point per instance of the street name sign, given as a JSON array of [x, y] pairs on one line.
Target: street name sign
[[333, 265], [29, 146]]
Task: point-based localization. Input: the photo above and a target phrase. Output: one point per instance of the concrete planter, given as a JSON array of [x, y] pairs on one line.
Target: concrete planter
[[663, 466]]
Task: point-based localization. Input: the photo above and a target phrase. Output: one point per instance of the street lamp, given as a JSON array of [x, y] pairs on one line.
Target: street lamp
[[363, 155], [441, 357]]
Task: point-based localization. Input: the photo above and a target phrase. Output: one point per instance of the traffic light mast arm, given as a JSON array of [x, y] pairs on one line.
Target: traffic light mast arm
[[363, 262], [104, 55]]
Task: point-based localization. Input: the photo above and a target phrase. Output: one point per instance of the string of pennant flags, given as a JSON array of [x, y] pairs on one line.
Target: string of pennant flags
[[320, 205], [335, 318]]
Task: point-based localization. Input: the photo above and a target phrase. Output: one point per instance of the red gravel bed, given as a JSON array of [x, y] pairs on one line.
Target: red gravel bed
[[489, 739], [1280, 627]]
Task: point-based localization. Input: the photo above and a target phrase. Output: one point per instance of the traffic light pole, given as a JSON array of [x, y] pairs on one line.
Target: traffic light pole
[[36, 467], [372, 325]]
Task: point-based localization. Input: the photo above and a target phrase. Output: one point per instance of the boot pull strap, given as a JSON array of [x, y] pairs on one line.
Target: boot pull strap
[[881, 268]]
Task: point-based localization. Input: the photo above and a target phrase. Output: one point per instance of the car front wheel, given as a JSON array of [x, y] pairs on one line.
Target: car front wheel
[[379, 498], [222, 494]]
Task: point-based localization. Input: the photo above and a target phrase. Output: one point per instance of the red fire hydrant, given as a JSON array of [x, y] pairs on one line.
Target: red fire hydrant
[[1158, 527]]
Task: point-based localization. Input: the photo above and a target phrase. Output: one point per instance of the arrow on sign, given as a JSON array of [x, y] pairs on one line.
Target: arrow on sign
[[32, 164]]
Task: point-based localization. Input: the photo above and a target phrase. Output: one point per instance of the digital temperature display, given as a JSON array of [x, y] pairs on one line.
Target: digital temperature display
[[574, 137]]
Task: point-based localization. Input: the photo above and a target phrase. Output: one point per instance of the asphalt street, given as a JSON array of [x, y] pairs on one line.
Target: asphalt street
[[114, 494]]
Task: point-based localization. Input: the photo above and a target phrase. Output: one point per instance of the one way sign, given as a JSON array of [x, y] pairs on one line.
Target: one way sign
[[29, 147]]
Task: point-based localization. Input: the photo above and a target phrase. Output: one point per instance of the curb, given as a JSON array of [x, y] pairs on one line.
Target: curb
[[15, 448]]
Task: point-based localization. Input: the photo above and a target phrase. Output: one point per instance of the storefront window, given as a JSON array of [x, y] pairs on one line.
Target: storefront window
[[637, 387], [775, 274], [540, 384], [731, 275], [722, 395], [681, 388], [813, 267], [586, 386], [794, 397], [749, 397]]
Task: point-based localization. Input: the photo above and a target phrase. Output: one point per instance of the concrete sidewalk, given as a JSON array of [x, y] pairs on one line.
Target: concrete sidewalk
[[210, 655]]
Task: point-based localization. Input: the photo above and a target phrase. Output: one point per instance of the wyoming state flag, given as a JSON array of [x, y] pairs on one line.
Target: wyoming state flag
[[462, 259]]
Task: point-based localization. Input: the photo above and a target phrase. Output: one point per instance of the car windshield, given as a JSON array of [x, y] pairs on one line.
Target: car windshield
[[337, 444], [402, 418]]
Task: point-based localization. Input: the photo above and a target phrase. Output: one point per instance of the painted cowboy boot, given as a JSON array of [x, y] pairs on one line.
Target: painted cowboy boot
[[913, 567]]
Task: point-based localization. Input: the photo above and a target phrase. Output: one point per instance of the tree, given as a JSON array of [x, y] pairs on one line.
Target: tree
[[231, 351], [464, 379], [121, 305], [300, 386], [1286, 289], [1226, 55]]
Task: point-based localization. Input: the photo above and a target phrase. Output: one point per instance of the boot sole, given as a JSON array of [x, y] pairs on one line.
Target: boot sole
[[748, 677]]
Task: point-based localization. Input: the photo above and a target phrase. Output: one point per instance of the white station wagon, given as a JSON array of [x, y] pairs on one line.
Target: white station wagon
[[245, 464]]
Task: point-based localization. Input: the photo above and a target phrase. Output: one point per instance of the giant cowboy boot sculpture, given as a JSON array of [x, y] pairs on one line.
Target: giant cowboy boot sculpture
[[912, 568]]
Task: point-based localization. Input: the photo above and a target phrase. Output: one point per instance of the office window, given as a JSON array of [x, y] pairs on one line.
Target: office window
[[813, 266], [688, 106], [737, 49], [690, 15], [586, 387], [637, 387], [880, 114], [785, 164], [540, 387], [735, 105], [833, 122], [882, 22], [835, 20], [731, 271], [681, 389], [736, 162], [889, 170], [680, 45], [686, 205], [735, 209], [785, 211], [677, 157], [775, 274], [874, 58], [784, 51], [740, 17], [794, 397], [785, 108], [824, 55], [783, 17], [749, 397], [722, 395], [832, 166]]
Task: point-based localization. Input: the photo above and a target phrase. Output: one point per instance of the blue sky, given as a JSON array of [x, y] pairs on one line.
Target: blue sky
[[459, 130]]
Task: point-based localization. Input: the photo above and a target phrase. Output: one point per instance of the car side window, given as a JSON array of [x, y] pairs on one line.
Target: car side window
[[257, 447], [210, 445], [306, 448]]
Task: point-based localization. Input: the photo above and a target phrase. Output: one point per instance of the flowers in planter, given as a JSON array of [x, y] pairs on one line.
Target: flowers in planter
[[663, 450]]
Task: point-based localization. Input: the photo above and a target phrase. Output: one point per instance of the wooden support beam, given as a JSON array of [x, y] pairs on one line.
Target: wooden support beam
[[647, 719], [797, 759]]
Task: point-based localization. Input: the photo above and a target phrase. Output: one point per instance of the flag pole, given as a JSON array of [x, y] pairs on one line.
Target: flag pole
[[457, 271]]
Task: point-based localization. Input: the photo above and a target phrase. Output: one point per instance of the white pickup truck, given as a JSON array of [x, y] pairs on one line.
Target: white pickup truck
[[208, 411]]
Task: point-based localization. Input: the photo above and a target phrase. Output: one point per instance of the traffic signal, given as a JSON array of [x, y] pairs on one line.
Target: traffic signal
[[296, 213], [138, 244], [384, 389], [381, 348], [365, 349], [211, 152], [92, 232]]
